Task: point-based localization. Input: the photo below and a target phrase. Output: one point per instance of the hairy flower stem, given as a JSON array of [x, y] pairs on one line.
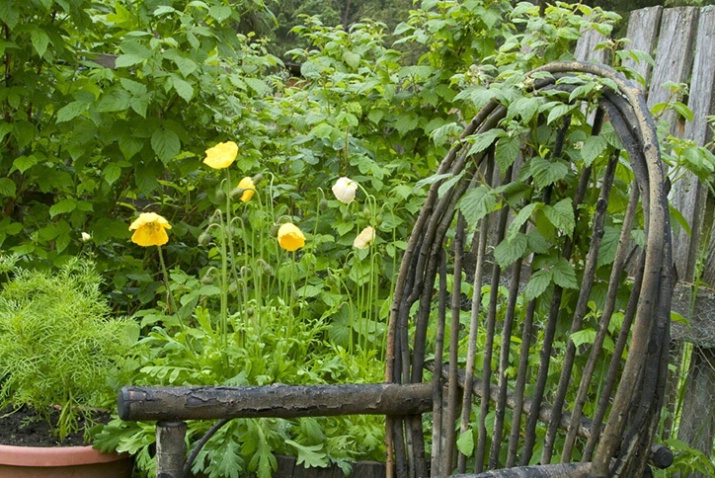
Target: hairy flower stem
[[172, 301], [225, 237]]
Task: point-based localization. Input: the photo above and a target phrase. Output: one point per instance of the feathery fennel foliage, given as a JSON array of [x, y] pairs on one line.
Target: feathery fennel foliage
[[58, 344]]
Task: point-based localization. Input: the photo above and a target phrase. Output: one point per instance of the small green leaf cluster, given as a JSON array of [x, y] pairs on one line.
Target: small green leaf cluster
[[59, 345]]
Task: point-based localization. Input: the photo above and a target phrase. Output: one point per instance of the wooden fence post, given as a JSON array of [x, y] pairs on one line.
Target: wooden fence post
[[170, 449]]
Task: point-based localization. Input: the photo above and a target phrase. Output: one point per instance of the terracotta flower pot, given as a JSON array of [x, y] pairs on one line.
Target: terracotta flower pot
[[62, 462]]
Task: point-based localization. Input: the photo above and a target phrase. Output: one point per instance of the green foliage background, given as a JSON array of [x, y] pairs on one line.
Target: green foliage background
[[107, 109]]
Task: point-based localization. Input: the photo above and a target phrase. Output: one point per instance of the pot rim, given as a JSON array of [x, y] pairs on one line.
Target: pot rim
[[55, 456]]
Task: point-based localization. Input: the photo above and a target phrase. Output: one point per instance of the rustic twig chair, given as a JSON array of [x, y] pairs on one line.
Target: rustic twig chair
[[471, 362]]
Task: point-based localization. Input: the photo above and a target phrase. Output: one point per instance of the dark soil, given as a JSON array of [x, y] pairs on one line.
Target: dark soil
[[25, 427]]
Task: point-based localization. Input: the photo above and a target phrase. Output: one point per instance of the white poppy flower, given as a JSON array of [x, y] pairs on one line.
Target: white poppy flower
[[365, 238], [344, 190]]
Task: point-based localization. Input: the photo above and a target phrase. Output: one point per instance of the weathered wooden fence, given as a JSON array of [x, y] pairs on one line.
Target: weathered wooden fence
[[682, 42]]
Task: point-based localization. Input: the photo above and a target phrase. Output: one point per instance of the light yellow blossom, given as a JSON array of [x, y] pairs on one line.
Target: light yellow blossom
[[290, 237], [365, 238], [150, 230]]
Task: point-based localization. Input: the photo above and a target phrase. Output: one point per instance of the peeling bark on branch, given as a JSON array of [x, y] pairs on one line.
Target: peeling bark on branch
[[278, 401]]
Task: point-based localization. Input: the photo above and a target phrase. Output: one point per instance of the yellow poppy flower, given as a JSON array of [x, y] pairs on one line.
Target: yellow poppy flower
[[365, 238], [249, 189], [150, 230], [222, 155], [290, 237]]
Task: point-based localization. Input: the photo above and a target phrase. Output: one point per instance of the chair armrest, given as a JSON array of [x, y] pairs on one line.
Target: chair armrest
[[277, 401]]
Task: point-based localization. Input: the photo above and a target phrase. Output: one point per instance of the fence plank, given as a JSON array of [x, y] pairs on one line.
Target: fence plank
[[690, 196], [643, 27], [674, 61], [586, 47]]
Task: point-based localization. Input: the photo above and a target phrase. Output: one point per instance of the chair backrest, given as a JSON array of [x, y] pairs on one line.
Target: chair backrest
[[535, 289]]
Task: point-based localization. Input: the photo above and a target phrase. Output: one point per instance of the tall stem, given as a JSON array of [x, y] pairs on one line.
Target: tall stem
[[172, 301]]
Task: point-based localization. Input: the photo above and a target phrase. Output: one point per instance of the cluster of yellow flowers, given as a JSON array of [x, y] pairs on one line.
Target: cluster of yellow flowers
[[150, 228]]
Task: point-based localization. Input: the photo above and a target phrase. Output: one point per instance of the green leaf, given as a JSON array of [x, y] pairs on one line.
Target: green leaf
[[406, 122], [526, 107], [586, 336], [133, 53], [609, 245], [507, 151], [557, 112], [537, 243], [582, 91], [507, 252], [182, 88], [23, 163], [432, 179], [521, 218], [8, 188], [465, 442], [446, 133], [592, 148], [64, 206], [310, 455], [311, 70], [476, 204], [447, 185], [564, 275], [39, 40], [186, 65], [70, 111], [129, 145], [547, 172], [9, 13], [166, 144], [220, 12], [483, 140], [537, 284], [163, 10], [114, 101], [111, 173], [352, 59], [134, 87], [561, 215], [259, 86]]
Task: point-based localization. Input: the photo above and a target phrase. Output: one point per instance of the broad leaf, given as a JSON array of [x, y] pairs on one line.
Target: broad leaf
[[508, 252], [483, 140], [561, 215], [538, 283], [609, 245], [507, 151], [476, 204], [592, 148], [166, 144], [545, 172], [563, 274], [521, 218]]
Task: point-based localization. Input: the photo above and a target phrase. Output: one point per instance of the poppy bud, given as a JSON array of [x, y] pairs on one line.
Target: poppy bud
[[205, 238]]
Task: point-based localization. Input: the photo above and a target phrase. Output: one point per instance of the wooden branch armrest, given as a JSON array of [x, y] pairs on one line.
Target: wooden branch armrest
[[569, 470], [277, 401]]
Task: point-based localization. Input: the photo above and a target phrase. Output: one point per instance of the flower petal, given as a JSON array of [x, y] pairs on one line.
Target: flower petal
[[365, 238], [290, 237], [150, 230], [222, 155], [249, 189], [344, 190]]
